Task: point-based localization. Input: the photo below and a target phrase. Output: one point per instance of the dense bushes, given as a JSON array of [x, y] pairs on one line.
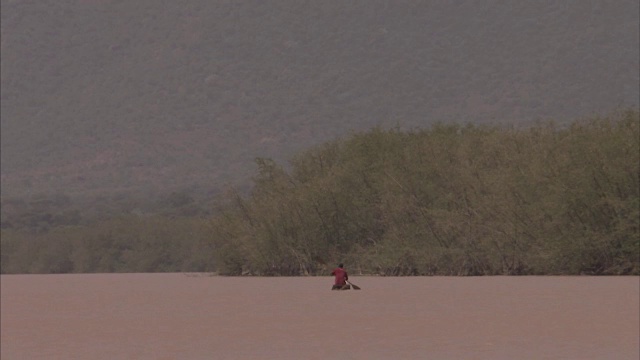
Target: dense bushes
[[450, 200]]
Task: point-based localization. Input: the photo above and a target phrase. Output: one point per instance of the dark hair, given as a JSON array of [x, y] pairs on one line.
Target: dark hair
[[341, 266]]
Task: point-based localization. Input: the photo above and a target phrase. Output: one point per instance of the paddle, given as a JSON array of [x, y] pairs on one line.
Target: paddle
[[354, 286]]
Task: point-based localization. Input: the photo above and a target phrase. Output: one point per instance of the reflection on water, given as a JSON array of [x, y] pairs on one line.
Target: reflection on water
[[196, 316]]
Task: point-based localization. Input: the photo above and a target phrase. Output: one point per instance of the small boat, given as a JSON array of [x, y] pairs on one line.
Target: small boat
[[341, 287]]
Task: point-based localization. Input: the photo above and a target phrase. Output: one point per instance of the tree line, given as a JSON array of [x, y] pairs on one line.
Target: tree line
[[447, 200]]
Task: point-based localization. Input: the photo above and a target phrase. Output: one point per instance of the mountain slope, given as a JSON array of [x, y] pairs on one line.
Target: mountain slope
[[112, 96]]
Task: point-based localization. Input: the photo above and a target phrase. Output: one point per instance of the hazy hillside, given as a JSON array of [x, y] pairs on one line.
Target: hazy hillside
[[108, 96]]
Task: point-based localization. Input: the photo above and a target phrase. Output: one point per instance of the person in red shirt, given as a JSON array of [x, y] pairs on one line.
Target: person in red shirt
[[341, 278]]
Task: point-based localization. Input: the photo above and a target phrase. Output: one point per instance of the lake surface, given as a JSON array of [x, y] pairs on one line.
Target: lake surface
[[197, 316]]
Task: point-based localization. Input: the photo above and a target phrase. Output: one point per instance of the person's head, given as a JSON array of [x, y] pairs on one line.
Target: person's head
[[341, 266]]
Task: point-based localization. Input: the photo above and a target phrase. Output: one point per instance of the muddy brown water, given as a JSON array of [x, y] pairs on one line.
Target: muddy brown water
[[196, 316]]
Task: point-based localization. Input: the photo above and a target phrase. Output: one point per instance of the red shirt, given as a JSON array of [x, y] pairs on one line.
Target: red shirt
[[341, 276]]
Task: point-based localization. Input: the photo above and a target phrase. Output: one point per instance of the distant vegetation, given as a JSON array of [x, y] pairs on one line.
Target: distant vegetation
[[448, 200]]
